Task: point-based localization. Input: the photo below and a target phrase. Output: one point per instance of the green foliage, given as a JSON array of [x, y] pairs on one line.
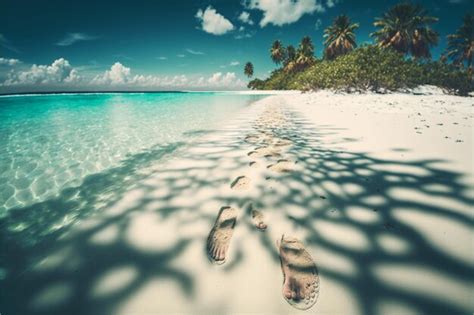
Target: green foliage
[[256, 84], [248, 69], [370, 68], [461, 44], [406, 28], [340, 37], [451, 78], [277, 52]]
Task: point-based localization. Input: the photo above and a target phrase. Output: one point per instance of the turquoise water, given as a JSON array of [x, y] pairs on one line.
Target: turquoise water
[[52, 142]]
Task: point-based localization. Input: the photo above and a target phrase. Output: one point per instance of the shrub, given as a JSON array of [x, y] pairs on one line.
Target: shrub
[[371, 68]]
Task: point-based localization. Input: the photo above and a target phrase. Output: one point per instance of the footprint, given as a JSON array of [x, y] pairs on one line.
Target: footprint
[[257, 138], [282, 166], [258, 220], [254, 164], [240, 183], [264, 152], [300, 274], [220, 235], [283, 142], [252, 139]]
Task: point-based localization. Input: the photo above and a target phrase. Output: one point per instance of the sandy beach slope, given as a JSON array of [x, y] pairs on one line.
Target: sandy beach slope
[[379, 189]]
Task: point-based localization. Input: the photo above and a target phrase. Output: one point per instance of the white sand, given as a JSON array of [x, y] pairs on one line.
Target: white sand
[[386, 213]]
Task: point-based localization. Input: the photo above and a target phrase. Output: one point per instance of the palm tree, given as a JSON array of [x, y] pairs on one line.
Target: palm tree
[[305, 53], [461, 44], [306, 47], [290, 54], [277, 52], [248, 70], [340, 37], [406, 28]]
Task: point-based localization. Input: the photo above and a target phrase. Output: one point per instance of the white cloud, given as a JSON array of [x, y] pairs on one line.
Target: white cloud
[[59, 72], [162, 58], [234, 63], [281, 12], [118, 74], [244, 17], [332, 3], [9, 62], [229, 80], [213, 22], [318, 24], [180, 55], [72, 38], [194, 52], [244, 35]]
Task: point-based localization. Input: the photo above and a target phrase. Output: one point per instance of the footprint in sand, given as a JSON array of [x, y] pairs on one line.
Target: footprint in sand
[[300, 274], [252, 139], [264, 152], [219, 238], [258, 219], [283, 143], [260, 137], [282, 166], [240, 183], [254, 164]]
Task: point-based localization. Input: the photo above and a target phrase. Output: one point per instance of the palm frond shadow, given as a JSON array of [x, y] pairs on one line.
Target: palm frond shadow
[[28, 233]]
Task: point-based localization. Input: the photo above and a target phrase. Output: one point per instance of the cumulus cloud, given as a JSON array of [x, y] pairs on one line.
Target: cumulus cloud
[[72, 38], [194, 52], [59, 72], [213, 22], [281, 12], [180, 55], [228, 79], [234, 63], [244, 17], [9, 62], [162, 58], [120, 75]]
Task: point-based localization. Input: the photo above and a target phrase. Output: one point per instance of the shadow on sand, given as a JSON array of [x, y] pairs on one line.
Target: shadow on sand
[[331, 185]]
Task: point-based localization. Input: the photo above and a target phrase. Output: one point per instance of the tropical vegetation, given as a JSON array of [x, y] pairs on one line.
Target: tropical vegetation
[[461, 44], [277, 52], [248, 69], [400, 57], [406, 28], [340, 37]]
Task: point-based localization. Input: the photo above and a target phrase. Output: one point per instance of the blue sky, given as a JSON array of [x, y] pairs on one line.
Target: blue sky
[[143, 44]]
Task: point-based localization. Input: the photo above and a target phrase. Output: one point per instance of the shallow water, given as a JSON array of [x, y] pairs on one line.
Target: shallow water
[[52, 142]]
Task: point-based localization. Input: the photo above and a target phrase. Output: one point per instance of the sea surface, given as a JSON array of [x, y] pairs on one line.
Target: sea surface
[[51, 143]]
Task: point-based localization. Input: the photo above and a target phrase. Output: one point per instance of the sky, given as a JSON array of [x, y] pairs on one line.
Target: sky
[[61, 45]]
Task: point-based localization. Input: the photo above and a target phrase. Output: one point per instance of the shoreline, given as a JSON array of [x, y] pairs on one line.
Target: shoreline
[[422, 90]]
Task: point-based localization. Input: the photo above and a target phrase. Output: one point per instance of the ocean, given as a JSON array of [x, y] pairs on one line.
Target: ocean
[[51, 143]]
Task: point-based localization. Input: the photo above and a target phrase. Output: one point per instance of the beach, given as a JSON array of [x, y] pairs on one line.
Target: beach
[[377, 187]]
